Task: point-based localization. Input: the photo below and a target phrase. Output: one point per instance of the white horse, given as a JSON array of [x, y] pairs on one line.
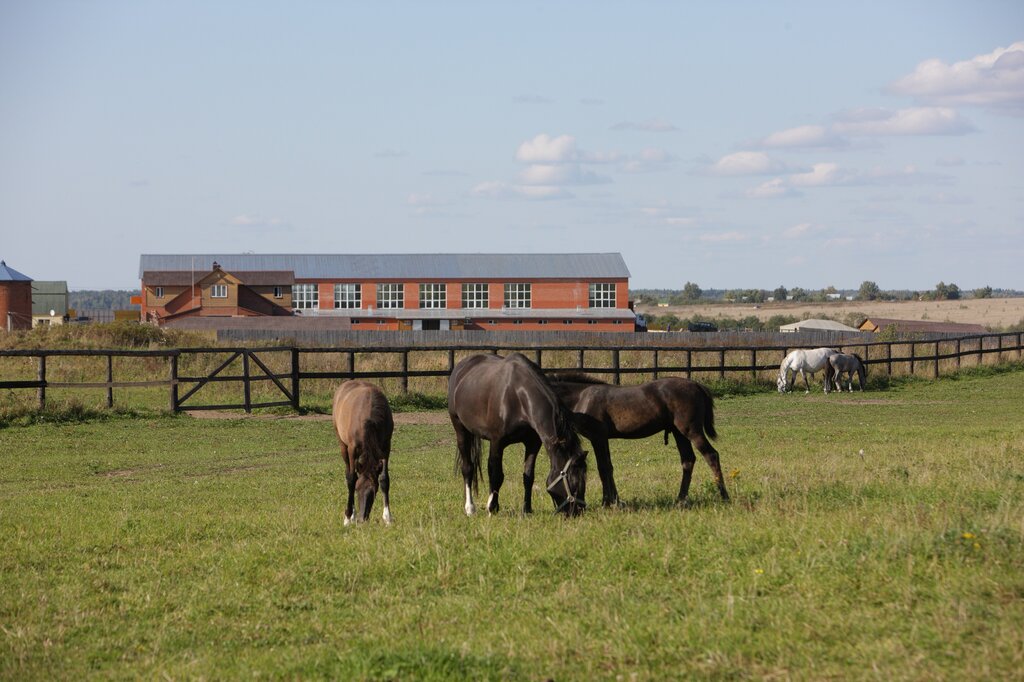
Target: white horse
[[849, 364], [801, 361]]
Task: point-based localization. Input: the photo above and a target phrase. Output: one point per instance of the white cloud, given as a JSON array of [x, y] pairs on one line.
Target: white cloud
[[913, 121], [772, 189], [504, 190], [993, 80], [255, 222], [649, 160], [559, 174], [801, 231], [532, 99], [803, 136], [546, 149], [723, 237], [653, 126], [821, 174], [746, 163]]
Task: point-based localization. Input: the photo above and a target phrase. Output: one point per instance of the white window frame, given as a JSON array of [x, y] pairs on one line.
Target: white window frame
[[158, 292], [434, 295], [305, 297], [518, 295], [348, 295], [475, 295], [218, 291], [601, 295], [278, 292], [390, 296]]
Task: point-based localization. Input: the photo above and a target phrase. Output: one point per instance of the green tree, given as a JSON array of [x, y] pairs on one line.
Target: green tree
[[780, 293], [869, 291], [691, 292], [984, 292]]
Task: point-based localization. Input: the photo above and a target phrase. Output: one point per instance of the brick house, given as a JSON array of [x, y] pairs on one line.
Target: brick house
[[586, 291]]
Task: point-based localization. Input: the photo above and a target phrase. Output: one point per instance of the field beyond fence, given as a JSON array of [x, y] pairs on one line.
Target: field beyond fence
[[248, 378]]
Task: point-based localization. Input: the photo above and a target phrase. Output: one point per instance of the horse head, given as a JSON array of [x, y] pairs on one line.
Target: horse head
[[367, 484], [567, 480]]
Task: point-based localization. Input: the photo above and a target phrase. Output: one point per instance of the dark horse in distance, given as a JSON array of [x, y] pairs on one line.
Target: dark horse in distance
[[364, 424], [674, 405], [505, 401]]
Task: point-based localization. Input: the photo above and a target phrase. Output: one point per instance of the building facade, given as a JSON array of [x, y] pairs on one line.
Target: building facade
[[15, 299], [49, 302], [398, 291]]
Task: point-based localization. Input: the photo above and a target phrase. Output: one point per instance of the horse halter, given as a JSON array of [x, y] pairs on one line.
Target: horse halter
[[562, 478]]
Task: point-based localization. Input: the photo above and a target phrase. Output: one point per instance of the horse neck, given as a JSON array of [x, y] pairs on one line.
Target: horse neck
[[556, 431]]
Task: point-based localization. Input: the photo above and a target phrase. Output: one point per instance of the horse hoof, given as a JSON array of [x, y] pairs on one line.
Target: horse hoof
[[470, 509], [348, 520], [388, 519], [684, 503]]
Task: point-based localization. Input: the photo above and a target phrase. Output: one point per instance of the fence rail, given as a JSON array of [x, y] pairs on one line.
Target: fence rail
[[255, 365]]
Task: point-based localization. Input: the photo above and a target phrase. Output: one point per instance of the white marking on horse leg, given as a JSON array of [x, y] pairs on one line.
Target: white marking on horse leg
[[387, 515], [490, 499], [470, 507], [348, 520]]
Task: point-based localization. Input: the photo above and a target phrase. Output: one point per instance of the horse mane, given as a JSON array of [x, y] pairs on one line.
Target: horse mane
[[565, 426], [574, 378]]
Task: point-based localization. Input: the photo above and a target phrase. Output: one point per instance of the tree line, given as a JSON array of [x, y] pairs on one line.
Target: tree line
[[692, 293]]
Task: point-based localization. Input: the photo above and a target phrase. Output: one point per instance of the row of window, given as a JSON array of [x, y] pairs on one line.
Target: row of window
[[474, 295]]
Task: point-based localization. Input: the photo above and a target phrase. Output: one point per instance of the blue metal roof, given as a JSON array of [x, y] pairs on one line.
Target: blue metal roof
[[409, 266], [9, 274]]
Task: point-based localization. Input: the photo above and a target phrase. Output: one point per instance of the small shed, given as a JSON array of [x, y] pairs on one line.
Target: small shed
[[816, 326], [47, 297], [15, 299]]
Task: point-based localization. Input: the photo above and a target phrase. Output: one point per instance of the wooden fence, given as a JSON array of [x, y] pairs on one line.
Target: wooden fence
[[183, 390]]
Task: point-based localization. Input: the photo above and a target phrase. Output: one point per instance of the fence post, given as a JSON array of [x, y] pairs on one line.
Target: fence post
[[615, 365], [579, 359], [888, 358], [913, 353], [110, 381], [935, 371], [405, 371], [1018, 345], [451, 361], [295, 379], [689, 362], [173, 380], [41, 376], [981, 347], [753, 364], [537, 354], [958, 354], [999, 355], [721, 364], [351, 364], [655, 364], [246, 388]]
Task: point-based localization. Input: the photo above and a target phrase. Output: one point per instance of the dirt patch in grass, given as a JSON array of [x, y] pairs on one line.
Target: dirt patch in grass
[[400, 417]]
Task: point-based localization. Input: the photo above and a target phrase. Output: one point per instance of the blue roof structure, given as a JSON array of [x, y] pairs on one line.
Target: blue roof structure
[[9, 274], [403, 266]]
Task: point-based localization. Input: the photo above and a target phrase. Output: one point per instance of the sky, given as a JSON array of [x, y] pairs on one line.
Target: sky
[[730, 144]]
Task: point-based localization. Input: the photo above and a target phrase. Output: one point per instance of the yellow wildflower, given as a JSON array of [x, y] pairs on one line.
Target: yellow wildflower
[[968, 536], [758, 571]]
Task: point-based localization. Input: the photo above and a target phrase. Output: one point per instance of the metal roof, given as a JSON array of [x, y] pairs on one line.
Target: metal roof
[[815, 324], [184, 278], [9, 274], [406, 266]]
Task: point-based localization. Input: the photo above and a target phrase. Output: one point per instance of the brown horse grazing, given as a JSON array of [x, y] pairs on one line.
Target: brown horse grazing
[[678, 406], [363, 422], [508, 400]]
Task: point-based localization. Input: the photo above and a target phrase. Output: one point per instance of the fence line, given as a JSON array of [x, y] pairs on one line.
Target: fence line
[[288, 384]]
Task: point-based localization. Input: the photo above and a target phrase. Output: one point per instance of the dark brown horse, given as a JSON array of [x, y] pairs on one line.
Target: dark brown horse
[[678, 406], [505, 401], [363, 422]]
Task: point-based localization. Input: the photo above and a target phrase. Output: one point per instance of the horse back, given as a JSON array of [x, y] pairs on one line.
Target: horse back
[[362, 416]]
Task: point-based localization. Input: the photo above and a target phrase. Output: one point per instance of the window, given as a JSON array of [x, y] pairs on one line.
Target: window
[[517, 295], [305, 296], [159, 292], [390, 295], [566, 321], [219, 291], [348, 296], [433, 296], [542, 321], [474, 295], [602, 295], [278, 292], [591, 321]]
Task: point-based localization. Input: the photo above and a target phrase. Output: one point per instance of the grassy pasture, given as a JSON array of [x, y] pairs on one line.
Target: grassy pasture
[[184, 548]]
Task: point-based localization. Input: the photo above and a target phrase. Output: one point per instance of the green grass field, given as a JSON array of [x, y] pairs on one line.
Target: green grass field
[[177, 548]]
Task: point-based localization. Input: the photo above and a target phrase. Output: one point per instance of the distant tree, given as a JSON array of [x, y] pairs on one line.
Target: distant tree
[[946, 292], [799, 294], [780, 293], [984, 292], [691, 292], [869, 291]]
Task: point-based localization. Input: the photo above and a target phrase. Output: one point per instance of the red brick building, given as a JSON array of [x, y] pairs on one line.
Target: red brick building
[[15, 299], [396, 291]]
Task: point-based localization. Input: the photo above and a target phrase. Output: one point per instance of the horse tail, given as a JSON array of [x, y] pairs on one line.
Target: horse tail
[[474, 458], [666, 436], [709, 413]]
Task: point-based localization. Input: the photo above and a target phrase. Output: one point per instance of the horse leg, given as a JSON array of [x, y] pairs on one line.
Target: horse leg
[[603, 455], [464, 443], [687, 459], [711, 457], [384, 481], [350, 481], [529, 463], [807, 386], [495, 476]]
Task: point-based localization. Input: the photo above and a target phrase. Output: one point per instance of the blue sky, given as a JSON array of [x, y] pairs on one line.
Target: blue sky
[[740, 144]]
